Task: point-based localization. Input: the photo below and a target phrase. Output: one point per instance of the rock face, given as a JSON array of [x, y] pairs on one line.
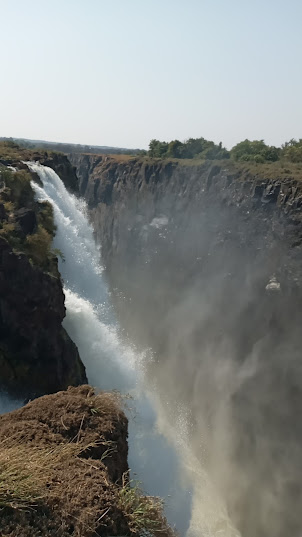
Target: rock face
[[36, 354], [61, 165], [205, 263], [26, 219]]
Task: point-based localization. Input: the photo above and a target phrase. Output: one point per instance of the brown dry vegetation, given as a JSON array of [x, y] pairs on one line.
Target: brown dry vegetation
[[280, 170], [10, 151], [63, 470]]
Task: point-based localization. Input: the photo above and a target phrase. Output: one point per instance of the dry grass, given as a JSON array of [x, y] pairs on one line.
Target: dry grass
[[143, 513], [62, 458], [25, 471]]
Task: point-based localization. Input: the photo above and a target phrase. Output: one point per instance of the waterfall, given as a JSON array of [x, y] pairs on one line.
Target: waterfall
[[158, 457]]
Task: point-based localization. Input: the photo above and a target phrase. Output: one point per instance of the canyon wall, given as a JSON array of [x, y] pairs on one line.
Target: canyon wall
[[36, 354], [204, 264]]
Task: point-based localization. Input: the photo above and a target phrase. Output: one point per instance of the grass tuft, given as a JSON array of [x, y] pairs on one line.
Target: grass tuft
[[26, 470], [144, 514]]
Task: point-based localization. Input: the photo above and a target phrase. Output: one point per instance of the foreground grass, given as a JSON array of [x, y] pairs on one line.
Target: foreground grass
[[26, 474], [144, 513]]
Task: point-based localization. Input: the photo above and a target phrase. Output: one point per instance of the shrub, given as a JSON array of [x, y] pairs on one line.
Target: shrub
[[19, 185], [255, 151], [292, 150], [9, 231], [45, 217], [38, 246]]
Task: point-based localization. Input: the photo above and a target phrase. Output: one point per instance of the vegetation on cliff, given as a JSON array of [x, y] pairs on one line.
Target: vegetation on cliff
[[36, 354], [69, 148], [192, 148], [26, 225], [69, 473], [247, 151], [12, 154]]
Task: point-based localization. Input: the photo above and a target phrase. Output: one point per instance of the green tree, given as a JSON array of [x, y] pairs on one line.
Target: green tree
[[157, 148], [292, 150], [256, 151], [175, 149]]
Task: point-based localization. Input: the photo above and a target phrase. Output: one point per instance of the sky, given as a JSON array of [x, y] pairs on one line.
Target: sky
[[122, 72]]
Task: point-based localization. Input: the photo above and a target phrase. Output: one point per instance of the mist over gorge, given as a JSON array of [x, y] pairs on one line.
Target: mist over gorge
[[204, 266], [180, 288]]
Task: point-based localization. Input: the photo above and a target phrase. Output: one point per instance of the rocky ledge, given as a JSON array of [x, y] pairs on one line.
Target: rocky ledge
[[64, 471]]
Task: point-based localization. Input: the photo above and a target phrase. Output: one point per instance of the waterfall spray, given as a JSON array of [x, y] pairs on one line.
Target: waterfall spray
[[158, 456]]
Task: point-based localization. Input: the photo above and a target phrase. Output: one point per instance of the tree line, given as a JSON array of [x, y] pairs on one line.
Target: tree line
[[246, 151]]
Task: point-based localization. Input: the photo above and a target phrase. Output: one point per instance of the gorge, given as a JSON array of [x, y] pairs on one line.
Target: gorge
[[204, 263], [194, 312]]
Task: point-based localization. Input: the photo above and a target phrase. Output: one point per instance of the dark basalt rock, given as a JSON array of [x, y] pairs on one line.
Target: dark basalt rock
[[27, 220], [3, 214], [61, 165], [36, 354]]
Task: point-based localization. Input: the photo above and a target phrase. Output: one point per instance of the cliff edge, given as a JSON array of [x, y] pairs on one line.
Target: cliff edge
[[36, 354], [63, 470]]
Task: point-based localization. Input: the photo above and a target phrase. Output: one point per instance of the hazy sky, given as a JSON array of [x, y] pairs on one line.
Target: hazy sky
[[121, 72]]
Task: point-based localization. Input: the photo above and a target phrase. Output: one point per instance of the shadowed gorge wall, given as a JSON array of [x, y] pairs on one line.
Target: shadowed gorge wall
[[204, 262]]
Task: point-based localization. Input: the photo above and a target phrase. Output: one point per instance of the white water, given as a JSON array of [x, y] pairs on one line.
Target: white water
[[158, 457]]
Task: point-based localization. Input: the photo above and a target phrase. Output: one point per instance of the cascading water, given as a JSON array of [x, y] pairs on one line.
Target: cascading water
[[158, 457]]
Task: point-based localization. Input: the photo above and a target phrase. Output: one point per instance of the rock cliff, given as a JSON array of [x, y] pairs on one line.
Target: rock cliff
[[204, 262], [36, 354]]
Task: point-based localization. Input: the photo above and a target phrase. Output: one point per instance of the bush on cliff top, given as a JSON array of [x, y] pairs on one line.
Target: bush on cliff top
[[192, 148], [256, 151], [246, 151]]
